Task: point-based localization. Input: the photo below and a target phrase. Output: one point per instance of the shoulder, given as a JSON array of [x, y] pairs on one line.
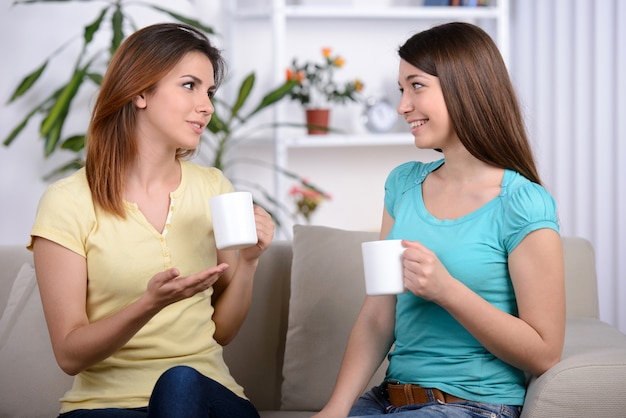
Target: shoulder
[[205, 177], [412, 172], [69, 191], [520, 192], [527, 207]]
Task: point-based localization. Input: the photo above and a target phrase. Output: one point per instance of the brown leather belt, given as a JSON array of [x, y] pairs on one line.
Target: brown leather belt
[[408, 394]]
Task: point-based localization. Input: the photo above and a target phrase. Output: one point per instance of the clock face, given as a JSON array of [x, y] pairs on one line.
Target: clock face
[[380, 116]]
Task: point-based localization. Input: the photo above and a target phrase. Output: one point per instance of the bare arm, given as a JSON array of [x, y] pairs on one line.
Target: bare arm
[[534, 341], [233, 292], [77, 343], [370, 340]]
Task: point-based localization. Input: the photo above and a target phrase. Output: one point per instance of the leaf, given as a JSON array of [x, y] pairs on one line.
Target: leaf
[[91, 29], [74, 143], [41, 106], [54, 135], [244, 92], [72, 165], [95, 77], [186, 20], [217, 125], [16, 131], [28, 82], [274, 96], [61, 106], [117, 21]]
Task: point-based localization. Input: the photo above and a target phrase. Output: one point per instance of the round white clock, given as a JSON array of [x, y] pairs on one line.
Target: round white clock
[[379, 116]]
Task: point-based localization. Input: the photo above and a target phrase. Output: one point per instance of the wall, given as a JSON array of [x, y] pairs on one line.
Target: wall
[[568, 65]]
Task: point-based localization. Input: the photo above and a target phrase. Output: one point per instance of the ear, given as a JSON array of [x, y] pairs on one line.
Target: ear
[[140, 101]]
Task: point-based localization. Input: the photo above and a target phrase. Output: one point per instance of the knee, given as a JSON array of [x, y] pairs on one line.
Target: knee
[[181, 375]]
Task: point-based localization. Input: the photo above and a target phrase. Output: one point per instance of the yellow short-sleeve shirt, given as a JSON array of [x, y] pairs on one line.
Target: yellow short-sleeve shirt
[[122, 255]]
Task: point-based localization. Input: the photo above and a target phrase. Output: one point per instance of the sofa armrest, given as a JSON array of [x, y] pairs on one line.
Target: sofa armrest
[[589, 379]]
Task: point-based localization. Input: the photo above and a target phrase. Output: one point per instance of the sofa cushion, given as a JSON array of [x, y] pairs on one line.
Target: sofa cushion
[[327, 291], [255, 356], [588, 381], [25, 351]]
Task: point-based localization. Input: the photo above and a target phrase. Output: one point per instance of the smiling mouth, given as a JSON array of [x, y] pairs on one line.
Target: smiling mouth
[[418, 123]]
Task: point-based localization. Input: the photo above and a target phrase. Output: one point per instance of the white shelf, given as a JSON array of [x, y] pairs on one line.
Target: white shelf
[[381, 12], [373, 12], [352, 140], [282, 20]]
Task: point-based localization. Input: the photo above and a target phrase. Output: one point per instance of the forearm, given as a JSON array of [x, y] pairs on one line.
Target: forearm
[[233, 304], [90, 344], [368, 344]]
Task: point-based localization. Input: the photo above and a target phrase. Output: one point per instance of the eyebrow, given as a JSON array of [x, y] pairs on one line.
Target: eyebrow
[[411, 77]]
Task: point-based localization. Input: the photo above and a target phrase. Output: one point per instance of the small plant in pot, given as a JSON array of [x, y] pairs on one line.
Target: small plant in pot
[[316, 88]]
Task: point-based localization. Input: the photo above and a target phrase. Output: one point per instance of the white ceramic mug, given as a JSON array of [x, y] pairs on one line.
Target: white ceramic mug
[[233, 220], [382, 265]]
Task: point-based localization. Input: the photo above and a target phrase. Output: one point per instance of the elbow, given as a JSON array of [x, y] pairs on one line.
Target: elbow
[[223, 340], [545, 364], [69, 367], [68, 363]]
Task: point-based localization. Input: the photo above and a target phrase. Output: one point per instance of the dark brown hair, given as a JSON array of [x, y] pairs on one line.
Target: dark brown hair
[[478, 93], [140, 62]]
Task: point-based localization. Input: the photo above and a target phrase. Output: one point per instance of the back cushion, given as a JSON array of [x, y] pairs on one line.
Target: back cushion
[[30, 378], [327, 291]]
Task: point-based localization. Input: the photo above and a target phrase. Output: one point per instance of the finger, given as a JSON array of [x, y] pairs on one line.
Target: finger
[[167, 275]]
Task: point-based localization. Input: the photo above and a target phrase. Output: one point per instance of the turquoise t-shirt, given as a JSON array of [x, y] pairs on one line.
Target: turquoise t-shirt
[[431, 348]]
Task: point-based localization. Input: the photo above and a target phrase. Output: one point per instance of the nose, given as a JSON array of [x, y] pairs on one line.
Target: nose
[[404, 106], [205, 106]]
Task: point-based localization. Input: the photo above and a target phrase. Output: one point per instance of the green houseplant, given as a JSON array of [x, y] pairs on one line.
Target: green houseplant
[[87, 71], [316, 89], [113, 21]]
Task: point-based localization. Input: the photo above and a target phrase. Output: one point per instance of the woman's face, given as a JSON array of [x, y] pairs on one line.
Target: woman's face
[[423, 107], [177, 111]]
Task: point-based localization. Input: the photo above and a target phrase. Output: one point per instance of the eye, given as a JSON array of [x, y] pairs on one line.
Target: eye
[[189, 85], [417, 86], [211, 93]]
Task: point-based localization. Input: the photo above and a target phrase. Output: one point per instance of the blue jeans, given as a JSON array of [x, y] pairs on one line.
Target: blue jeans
[[375, 404], [181, 392]]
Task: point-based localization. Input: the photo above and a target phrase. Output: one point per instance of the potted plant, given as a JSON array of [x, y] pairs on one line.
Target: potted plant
[[307, 198], [223, 134], [316, 88], [87, 72], [230, 127]]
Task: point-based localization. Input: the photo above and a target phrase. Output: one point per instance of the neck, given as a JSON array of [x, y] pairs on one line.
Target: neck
[[462, 167]]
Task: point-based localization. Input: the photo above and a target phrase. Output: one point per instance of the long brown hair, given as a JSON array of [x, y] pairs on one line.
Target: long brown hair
[[140, 62], [478, 92]]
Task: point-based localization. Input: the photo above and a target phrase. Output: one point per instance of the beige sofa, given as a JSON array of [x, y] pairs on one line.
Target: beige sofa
[[307, 295]]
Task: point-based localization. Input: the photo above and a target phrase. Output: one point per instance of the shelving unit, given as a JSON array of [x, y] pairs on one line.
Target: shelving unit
[[287, 19]]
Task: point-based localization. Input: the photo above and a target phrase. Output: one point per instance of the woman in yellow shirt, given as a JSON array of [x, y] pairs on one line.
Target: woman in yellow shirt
[[138, 300]]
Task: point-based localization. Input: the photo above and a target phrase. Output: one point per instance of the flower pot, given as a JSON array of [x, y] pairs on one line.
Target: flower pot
[[317, 121]]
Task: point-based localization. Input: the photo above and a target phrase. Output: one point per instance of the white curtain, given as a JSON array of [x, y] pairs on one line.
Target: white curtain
[[568, 63]]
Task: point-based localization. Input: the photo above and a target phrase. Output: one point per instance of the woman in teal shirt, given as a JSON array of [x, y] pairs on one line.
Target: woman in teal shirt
[[483, 265]]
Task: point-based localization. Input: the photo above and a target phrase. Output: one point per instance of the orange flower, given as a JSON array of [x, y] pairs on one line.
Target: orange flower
[[316, 86], [339, 62]]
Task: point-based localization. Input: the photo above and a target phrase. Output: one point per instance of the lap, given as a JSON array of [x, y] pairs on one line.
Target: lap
[[180, 392], [374, 404]]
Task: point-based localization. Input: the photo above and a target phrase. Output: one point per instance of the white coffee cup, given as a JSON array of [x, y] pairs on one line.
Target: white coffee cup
[[233, 220], [382, 265]]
